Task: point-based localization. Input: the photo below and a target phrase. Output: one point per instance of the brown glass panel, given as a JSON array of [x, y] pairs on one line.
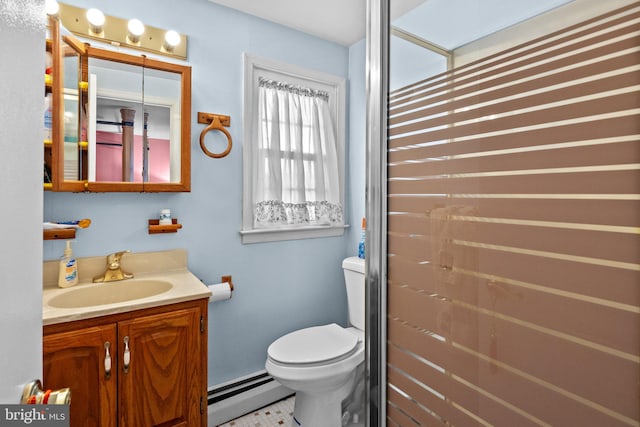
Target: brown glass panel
[[416, 248], [585, 131], [617, 247], [435, 403], [489, 88], [554, 360], [529, 320], [596, 281], [609, 212], [458, 392], [608, 182], [410, 223], [549, 404], [594, 321], [398, 416], [481, 93], [483, 121], [578, 110], [621, 153]]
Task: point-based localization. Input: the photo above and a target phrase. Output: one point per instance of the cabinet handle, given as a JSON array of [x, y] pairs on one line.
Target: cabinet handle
[[107, 361], [127, 354]]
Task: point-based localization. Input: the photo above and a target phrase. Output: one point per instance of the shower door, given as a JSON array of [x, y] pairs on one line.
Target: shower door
[[510, 214]]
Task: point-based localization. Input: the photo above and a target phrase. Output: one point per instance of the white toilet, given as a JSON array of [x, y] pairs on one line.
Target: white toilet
[[321, 363]]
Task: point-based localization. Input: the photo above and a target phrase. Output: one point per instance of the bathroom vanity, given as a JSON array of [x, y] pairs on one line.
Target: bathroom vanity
[[134, 358]]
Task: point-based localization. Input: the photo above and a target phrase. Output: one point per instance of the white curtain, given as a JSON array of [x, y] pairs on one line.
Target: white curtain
[[297, 179]]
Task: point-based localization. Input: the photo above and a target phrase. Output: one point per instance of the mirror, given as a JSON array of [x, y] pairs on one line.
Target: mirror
[[121, 109], [138, 123], [115, 129], [125, 123]]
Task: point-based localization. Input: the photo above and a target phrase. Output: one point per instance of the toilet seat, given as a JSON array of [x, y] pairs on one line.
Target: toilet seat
[[312, 346]]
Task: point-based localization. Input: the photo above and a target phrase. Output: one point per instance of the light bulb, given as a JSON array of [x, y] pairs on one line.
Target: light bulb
[[171, 40], [51, 7], [96, 19], [136, 29]]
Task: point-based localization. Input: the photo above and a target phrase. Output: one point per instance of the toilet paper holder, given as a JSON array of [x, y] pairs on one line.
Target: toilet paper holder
[[227, 279], [221, 291]]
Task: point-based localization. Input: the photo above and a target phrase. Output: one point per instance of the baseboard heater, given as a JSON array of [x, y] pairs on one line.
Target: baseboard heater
[[241, 396]]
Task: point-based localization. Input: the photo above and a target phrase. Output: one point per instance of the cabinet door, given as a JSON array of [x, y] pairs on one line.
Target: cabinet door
[[161, 386], [76, 359]]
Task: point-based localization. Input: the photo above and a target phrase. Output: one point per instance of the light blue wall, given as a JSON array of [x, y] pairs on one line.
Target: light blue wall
[[280, 286], [357, 142]]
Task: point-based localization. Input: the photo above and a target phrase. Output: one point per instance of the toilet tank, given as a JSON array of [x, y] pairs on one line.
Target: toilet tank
[[354, 280]]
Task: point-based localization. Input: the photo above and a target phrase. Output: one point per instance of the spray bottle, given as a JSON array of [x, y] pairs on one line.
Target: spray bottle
[[362, 239]]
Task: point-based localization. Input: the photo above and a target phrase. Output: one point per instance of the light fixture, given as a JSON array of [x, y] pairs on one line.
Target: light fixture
[[96, 20], [136, 29], [171, 40], [51, 7], [119, 32]]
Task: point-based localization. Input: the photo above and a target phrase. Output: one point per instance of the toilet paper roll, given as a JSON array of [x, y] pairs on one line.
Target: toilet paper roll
[[219, 291]]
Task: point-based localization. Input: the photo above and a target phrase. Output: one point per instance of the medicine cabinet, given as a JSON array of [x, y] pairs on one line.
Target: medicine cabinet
[[114, 122]]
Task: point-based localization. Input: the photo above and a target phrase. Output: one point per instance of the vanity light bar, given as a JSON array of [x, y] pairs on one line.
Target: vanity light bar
[[117, 32]]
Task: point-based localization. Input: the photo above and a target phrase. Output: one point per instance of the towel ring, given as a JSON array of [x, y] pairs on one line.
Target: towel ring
[[215, 122]]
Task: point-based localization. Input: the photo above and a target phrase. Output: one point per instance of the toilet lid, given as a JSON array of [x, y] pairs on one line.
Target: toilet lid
[[313, 345]]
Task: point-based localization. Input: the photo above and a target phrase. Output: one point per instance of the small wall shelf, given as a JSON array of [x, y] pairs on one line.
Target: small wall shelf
[[59, 234], [156, 228]]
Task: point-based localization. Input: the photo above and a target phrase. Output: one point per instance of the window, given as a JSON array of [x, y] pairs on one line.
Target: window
[[294, 152]]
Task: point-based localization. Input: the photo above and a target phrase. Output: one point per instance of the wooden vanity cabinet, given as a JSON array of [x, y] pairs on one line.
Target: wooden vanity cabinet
[[75, 359], [162, 381]]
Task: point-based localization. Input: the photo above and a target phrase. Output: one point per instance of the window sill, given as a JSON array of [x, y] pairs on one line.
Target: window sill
[[279, 234]]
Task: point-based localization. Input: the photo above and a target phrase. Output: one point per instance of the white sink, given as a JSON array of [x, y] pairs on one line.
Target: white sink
[[109, 293]]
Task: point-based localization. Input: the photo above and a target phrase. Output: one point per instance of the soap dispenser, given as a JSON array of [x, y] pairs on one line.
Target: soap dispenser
[[68, 272]]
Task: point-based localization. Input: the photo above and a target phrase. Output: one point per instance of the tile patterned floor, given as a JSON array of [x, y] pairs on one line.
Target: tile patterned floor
[[278, 414]]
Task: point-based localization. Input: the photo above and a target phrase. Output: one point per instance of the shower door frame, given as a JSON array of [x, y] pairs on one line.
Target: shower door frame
[[377, 73]]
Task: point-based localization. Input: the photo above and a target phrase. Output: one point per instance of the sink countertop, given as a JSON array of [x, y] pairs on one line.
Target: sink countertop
[[170, 266]]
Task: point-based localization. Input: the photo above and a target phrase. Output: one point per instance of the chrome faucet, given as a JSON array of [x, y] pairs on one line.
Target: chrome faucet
[[114, 272]]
